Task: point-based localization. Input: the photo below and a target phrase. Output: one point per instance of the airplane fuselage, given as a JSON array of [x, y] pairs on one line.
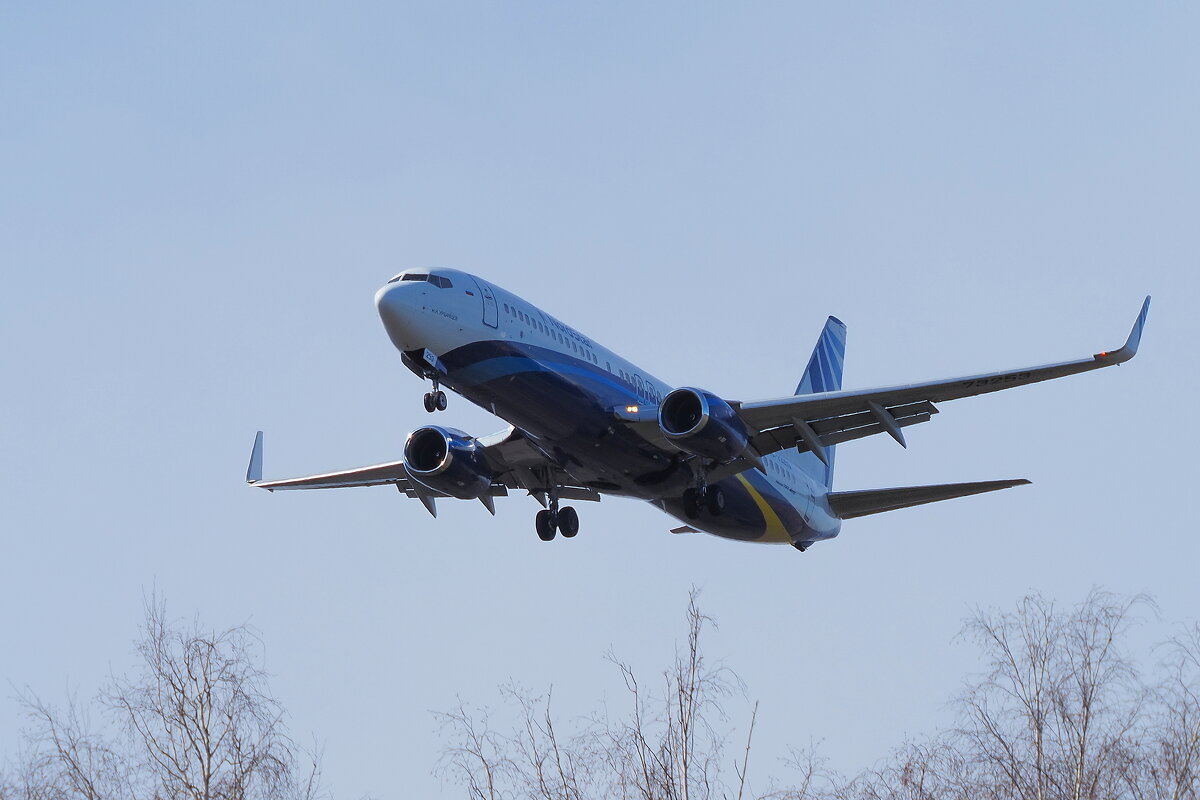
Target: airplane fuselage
[[567, 393]]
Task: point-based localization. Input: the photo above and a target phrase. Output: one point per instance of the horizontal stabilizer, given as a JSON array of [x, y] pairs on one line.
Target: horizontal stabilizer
[[848, 505]]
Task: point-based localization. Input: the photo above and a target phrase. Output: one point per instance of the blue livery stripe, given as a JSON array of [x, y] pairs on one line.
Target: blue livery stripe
[[823, 374]]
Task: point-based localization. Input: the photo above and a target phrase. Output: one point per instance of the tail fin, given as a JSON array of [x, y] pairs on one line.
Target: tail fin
[[824, 374], [824, 370]]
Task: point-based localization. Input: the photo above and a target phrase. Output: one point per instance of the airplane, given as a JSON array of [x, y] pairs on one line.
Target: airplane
[[585, 422]]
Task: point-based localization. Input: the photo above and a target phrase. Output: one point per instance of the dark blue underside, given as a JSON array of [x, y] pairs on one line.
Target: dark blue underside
[[564, 404]]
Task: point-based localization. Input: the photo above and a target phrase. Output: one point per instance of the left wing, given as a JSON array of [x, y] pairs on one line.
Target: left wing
[[815, 421], [516, 463]]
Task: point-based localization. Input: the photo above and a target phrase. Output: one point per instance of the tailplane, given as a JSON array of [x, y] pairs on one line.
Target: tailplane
[[848, 505], [823, 374]]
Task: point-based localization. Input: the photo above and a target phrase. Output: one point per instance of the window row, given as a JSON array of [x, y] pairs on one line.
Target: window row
[[537, 325]]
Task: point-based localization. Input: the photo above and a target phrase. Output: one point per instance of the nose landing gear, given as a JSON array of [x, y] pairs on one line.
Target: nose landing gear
[[435, 400]]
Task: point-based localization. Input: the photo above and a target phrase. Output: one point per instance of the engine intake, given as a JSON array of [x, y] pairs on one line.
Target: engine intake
[[448, 461], [700, 423]]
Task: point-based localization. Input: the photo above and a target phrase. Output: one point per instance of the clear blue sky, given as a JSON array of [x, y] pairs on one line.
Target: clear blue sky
[[198, 202]]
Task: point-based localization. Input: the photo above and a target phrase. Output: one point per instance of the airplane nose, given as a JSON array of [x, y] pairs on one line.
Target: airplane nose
[[395, 305]]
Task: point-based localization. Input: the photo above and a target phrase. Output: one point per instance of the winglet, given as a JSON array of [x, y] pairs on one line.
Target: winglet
[[254, 471], [1130, 348]]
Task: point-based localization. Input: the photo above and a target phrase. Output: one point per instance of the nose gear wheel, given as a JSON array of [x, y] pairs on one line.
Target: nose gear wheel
[[435, 400]]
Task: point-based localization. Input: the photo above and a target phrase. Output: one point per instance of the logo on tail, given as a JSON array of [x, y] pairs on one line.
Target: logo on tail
[[824, 374]]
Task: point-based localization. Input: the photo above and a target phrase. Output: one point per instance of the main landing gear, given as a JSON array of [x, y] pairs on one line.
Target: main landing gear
[[435, 400], [554, 519], [703, 498]]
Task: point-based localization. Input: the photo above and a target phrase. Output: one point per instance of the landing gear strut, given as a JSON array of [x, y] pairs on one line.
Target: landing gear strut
[[556, 520], [435, 400], [703, 498]]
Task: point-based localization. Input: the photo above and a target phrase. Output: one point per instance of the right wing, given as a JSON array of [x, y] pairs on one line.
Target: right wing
[[516, 463], [392, 472], [376, 475]]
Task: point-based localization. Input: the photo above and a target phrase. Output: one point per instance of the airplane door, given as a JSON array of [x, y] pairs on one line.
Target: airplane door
[[490, 315]]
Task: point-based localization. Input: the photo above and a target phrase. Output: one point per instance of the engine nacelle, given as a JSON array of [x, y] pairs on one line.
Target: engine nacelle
[[447, 460], [702, 424]]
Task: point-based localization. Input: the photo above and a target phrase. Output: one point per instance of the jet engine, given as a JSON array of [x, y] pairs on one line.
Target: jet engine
[[447, 460], [702, 424]]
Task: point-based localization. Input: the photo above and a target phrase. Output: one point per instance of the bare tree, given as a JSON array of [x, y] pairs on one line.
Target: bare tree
[[1059, 713], [930, 770], [197, 722], [1060, 700], [68, 756], [667, 746], [1165, 763]]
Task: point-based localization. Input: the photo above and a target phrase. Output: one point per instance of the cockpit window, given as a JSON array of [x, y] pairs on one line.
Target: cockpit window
[[436, 280]]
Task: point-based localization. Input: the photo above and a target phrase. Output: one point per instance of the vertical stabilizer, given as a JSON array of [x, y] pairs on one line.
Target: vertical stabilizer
[[823, 374]]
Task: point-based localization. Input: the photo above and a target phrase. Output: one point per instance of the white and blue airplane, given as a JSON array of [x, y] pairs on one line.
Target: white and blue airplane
[[586, 422]]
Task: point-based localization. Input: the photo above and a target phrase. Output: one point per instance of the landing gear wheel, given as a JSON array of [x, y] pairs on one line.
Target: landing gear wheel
[[430, 402], [568, 522], [715, 500], [691, 504], [544, 522], [439, 400]]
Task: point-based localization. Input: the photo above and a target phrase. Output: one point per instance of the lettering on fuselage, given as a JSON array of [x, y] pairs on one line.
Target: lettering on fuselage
[[445, 314], [646, 390], [643, 388], [568, 331]]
